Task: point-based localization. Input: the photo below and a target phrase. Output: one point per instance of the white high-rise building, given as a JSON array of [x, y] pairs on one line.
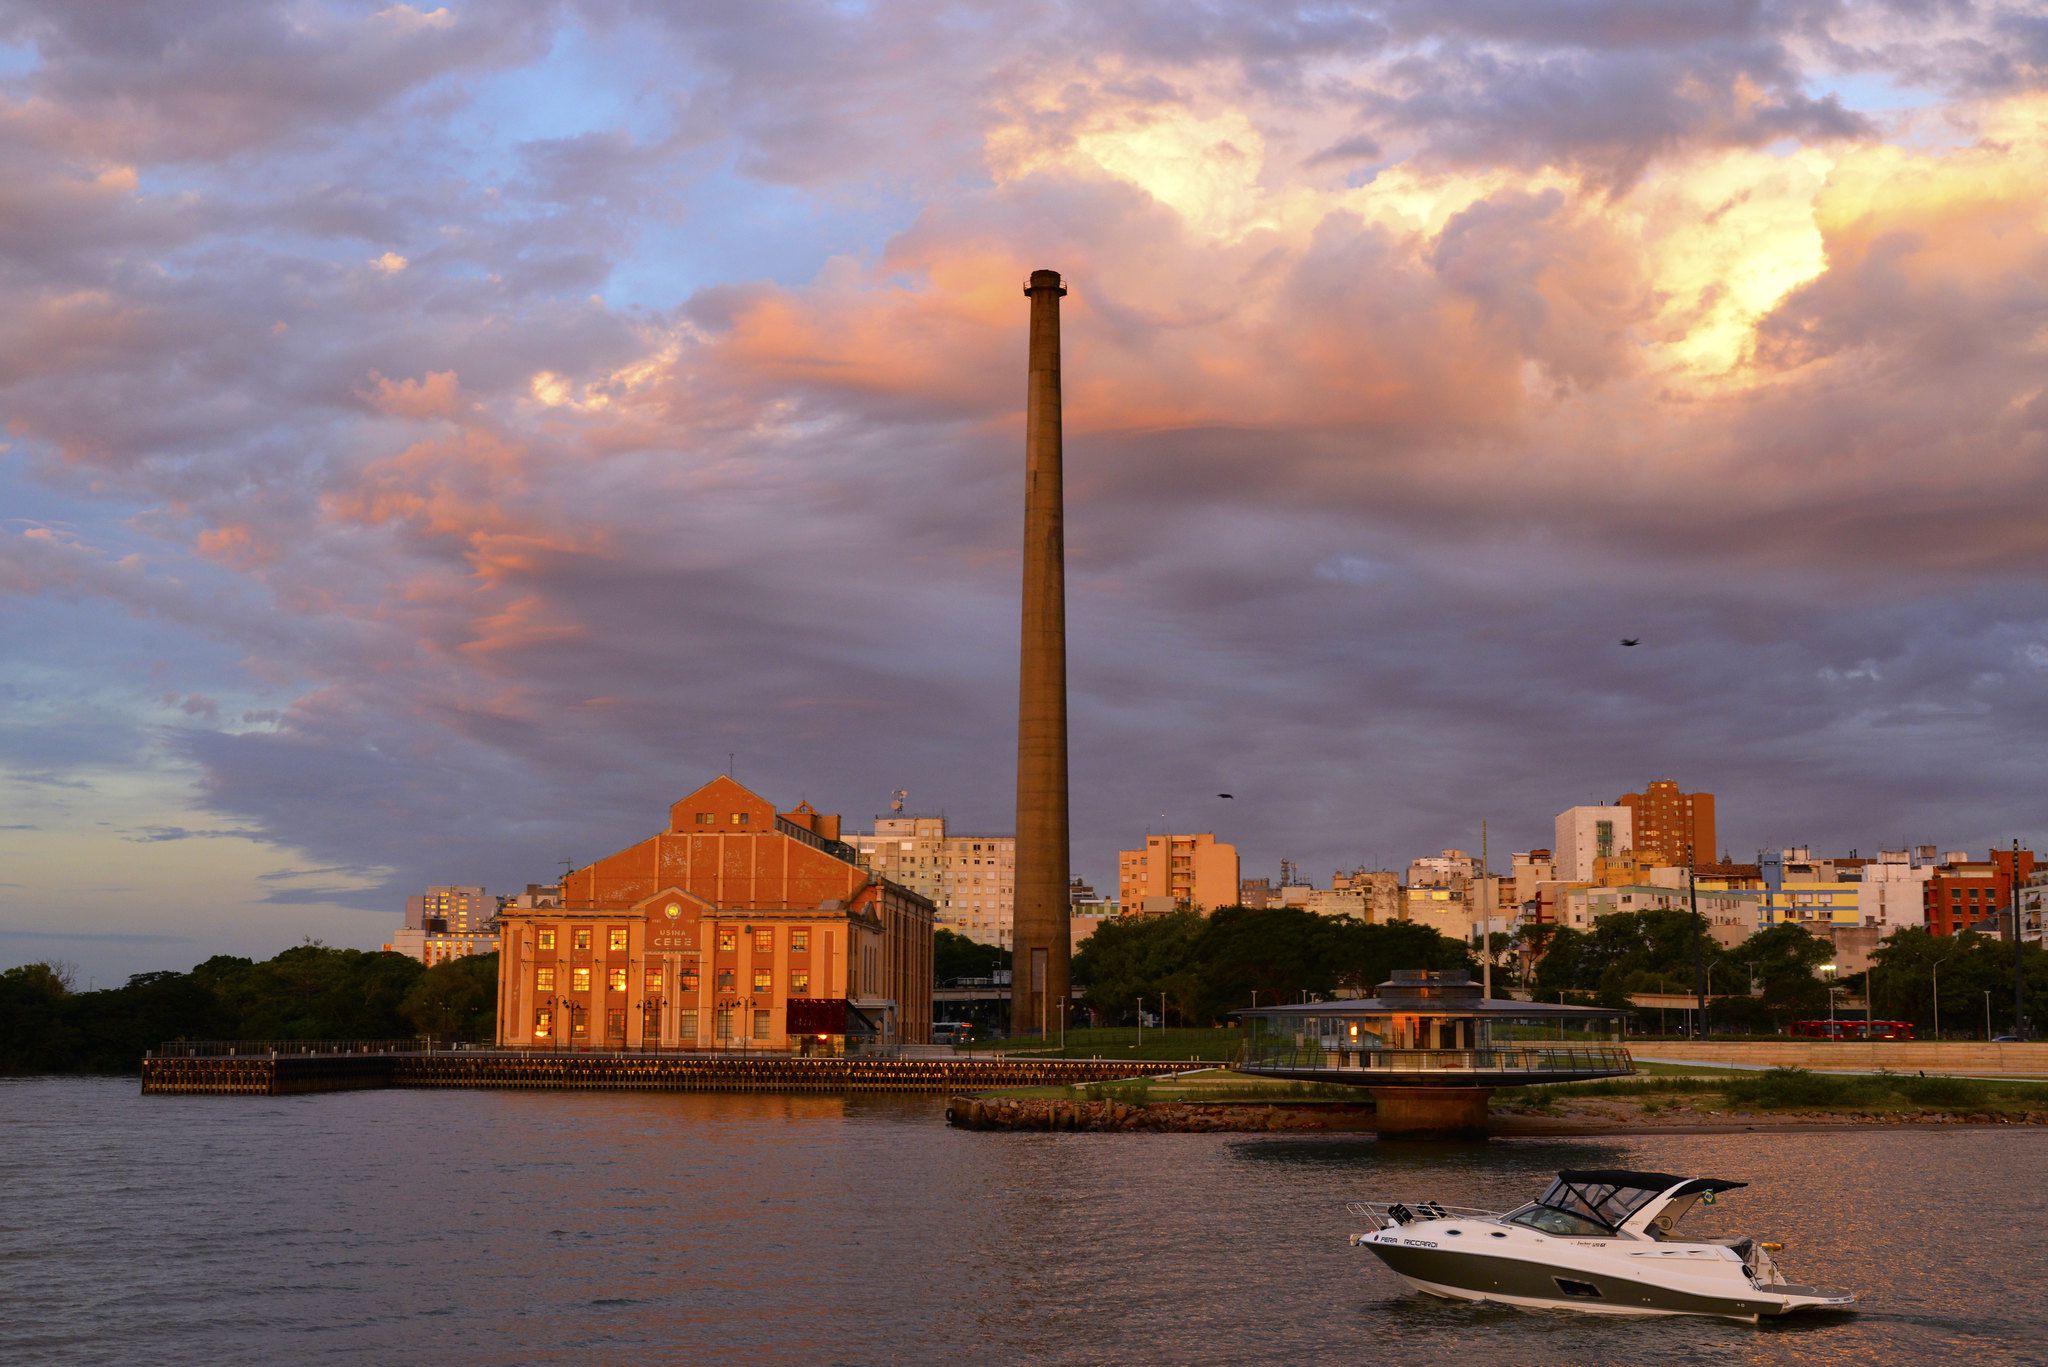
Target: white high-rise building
[[1588, 833], [1895, 891], [970, 879]]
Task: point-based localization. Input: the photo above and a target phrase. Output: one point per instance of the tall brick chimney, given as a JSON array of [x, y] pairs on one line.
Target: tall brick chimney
[[1042, 950]]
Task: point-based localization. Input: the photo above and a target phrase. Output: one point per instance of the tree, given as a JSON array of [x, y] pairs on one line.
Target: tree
[[1139, 956], [1784, 961], [955, 956], [457, 1000]]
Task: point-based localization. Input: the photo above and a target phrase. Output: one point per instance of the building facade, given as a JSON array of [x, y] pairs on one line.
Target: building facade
[[737, 927], [971, 880], [1974, 894], [1678, 827], [1585, 834], [1177, 872], [446, 922]]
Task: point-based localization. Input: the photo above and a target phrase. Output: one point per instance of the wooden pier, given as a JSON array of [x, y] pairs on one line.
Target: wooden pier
[[285, 1074]]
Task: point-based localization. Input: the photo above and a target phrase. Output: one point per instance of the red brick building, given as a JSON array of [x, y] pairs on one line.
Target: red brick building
[[1974, 894], [737, 927], [1679, 826]]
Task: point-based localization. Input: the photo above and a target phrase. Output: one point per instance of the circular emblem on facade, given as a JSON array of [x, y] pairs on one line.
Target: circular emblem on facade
[[673, 910]]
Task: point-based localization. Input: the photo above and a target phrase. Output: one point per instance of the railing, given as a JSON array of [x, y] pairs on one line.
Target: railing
[[1517, 1059], [265, 1048], [1383, 1216]]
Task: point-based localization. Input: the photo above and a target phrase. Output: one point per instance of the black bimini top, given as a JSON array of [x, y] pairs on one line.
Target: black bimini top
[[1645, 1181], [1608, 1197]]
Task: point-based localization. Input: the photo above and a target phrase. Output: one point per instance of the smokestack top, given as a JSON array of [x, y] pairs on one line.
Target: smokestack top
[[1044, 280]]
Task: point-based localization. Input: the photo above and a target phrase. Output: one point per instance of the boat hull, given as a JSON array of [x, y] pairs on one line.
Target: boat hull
[[1519, 1282]]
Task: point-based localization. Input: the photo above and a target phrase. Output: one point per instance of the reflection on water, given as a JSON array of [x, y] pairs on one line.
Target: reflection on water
[[537, 1227]]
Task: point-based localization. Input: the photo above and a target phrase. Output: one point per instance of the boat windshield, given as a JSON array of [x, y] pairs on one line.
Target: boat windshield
[[1606, 1206], [1551, 1220]]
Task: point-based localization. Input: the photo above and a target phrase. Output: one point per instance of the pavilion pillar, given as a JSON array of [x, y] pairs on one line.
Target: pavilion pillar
[[1430, 1112]]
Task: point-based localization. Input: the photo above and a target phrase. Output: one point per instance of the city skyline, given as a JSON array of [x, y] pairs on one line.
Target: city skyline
[[433, 441]]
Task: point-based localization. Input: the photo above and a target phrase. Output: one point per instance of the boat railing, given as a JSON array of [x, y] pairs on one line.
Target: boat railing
[[1387, 1214]]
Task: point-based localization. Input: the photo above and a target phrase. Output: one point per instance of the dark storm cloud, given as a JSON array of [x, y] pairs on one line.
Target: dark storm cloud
[[1365, 481]]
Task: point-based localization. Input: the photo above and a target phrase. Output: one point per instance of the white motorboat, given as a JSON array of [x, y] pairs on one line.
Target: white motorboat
[[1598, 1241]]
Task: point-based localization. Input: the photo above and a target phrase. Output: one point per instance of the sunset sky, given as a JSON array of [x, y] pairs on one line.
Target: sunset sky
[[435, 439]]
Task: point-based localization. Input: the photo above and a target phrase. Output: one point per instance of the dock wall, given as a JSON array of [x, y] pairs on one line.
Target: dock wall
[[286, 1075]]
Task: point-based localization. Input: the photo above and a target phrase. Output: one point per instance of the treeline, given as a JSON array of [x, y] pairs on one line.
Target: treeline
[[311, 992], [1775, 976], [1208, 966]]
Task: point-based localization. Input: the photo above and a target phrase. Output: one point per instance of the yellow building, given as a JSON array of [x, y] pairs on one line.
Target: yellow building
[[1814, 903], [1177, 873]]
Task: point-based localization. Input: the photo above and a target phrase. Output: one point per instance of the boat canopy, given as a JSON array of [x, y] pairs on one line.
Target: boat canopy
[[1611, 1196]]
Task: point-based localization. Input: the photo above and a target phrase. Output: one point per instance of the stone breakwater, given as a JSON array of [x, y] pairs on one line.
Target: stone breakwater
[[1165, 1117]]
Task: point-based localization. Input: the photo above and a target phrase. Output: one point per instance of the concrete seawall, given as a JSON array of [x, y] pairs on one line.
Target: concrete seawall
[[286, 1075], [1900, 1056]]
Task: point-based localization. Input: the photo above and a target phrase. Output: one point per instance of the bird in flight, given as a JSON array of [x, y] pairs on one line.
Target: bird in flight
[[1226, 795], [1631, 640]]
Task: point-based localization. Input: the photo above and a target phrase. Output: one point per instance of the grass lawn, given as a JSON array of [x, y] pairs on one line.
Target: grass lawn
[[1794, 1089], [1210, 1046]]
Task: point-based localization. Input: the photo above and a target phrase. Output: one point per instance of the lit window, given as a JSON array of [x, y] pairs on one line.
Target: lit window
[[764, 942], [799, 984], [543, 1024], [544, 980], [545, 939], [689, 980], [800, 941], [739, 818], [582, 979], [618, 939], [728, 939], [578, 1026], [764, 981], [583, 937], [654, 980], [726, 980], [760, 1025], [616, 980]]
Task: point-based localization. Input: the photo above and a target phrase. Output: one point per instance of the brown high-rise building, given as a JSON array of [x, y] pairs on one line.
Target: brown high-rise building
[[1678, 826], [1042, 949]]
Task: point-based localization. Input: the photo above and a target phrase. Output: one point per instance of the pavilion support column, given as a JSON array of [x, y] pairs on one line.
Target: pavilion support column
[[1430, 1112], [1041, 947]]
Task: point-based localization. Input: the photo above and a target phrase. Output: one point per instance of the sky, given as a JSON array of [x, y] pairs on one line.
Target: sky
[[435, 439]]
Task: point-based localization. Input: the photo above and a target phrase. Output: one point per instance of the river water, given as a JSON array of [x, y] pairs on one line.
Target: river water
[[515, 1227]]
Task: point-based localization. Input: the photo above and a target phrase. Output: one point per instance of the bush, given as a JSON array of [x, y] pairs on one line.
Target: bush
[[1943, 1093], [1795, 1088]]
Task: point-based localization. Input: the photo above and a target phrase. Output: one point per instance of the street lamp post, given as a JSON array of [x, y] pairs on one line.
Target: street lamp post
[[1987, 1013], [1699, 971], [1935, 974]]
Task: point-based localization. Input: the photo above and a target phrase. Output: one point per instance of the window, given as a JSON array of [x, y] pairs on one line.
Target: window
[[583, 937], [728, 939], [739, 818], [707, 819], [618, 940], [581, 977], [726, 980], [764, 981], [764, 942], [543, 1024], [800, 984], [760, 1025], [689, 980], [799, 941], [616, 980], [615, 1023], [721, 1025], [544, 980], [654, 980], [686, 1026], [579, 1026], [544, 939]]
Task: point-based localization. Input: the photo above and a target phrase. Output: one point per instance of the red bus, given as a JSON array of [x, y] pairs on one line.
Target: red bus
[[1852, 1029]]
